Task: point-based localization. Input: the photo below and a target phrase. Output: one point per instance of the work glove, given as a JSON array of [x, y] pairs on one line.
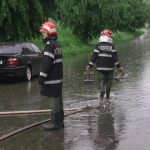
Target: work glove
[[88, 67]]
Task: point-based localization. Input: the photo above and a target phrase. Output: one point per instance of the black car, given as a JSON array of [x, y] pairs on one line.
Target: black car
[[20, 59]]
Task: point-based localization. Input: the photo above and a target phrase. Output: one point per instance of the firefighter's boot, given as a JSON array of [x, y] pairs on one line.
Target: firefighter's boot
[[54, 123], [107, 95], [61, 121]]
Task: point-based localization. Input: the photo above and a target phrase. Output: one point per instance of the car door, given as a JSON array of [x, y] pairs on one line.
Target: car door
[[30, 57], [39, 54]]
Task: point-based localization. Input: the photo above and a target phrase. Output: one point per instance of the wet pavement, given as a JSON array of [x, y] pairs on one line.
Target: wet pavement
[[122, 125]]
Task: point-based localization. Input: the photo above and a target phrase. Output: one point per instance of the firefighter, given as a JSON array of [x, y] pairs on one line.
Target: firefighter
[[51, 75], [105, 55]]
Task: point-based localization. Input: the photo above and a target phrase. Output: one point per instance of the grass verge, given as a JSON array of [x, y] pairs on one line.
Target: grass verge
[[72, 46]]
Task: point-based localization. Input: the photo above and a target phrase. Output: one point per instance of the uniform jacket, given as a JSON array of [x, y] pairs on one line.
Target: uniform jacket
[[51, 74], [105, 56]]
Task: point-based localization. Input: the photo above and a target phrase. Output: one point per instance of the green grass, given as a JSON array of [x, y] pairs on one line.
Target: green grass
[[121, 37], [70, 43], [72, 46]]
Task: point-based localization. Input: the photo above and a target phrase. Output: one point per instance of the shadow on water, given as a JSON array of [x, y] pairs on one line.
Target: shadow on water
[[94, 131], [122, 125]]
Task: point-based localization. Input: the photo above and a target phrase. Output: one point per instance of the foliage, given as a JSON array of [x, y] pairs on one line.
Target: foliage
[[21, 19], [147, 2], [88, 18]]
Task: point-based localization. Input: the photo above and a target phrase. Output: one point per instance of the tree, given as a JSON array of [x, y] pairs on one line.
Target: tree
[[147, 3], [88, 18], [21, 19]]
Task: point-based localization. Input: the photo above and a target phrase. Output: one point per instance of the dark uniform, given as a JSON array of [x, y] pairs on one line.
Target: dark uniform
[[51, 75], [106, 58], [51, 79]]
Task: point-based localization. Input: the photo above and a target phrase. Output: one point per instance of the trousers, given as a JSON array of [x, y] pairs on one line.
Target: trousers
[[56, 104], [105, 79], [57, 111]]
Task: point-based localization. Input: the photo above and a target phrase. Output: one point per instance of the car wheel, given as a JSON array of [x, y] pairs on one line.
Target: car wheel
[[28, 73]]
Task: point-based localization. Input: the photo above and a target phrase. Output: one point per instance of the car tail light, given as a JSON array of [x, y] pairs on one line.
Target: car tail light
[[12, 61]]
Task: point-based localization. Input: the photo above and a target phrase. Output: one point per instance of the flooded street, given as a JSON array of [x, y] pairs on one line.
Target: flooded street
[[122, 125]]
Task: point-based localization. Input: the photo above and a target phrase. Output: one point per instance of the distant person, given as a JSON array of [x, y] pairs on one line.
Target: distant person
[[106, 57], [51, 75]]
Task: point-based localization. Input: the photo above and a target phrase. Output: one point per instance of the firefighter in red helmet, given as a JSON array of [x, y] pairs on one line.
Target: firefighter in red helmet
[[105, 55], [51, 75]]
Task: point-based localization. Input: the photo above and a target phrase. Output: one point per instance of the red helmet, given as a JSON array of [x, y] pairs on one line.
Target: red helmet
[[49, 27], [107, 33]]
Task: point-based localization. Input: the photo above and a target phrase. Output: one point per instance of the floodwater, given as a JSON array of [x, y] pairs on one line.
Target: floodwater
[[122, 125]]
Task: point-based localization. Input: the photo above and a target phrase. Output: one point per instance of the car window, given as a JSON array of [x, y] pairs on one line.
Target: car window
[[28, 50], [10, 48], [36, 49]]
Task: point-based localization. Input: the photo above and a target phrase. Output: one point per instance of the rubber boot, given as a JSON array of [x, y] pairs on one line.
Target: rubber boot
[[61, 121], [54, 123], [107, 94], [102, 91]]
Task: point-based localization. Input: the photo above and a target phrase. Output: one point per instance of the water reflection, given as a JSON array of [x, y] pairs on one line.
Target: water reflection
[[94, 129], [52, 141], [106, 138]]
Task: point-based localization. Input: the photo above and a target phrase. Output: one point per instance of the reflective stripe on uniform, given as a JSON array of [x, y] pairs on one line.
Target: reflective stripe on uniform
[[57, 61], [97, 51], [48, 42], [49, 54], [116, 63], [107, 69], [91, 63], [113, 50], [43, 74], [105, 55], [53, 81]]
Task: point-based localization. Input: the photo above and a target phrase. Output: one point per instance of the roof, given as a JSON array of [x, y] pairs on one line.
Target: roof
[[12, 43]]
